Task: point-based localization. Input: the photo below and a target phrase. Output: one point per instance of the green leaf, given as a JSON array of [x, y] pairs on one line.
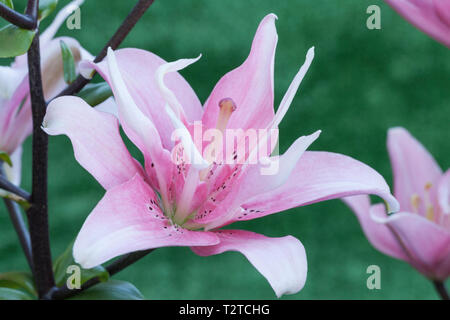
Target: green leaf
[[18, 281], [66, 259], [70, 72], [13, 294], [5, 158], [8, 3], [46, 7], [111, 290], [95, 93], [14, 41]]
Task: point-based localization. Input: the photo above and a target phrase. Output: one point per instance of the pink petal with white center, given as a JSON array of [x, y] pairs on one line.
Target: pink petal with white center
[[10, 79], [129, 219], [250, 85], [168, 95], [413, 166], [258, 179], [426, 243], [141, 130], [378, 234], [15, 125], [96, 140], [138, 70], [320, 176], [282, 261]]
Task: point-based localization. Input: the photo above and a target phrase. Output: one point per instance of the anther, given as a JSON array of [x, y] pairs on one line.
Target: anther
[[415, 202], [227, 107]]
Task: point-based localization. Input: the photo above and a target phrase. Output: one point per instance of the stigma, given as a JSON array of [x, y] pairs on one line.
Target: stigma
[[227, 107]]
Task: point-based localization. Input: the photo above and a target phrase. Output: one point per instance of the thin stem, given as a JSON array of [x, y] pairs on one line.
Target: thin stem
[[17, 220], [21, 229], [115, 267], [440, 288], [24, 21], [5, 184], [125, 28], [38, 212], [32, 9]]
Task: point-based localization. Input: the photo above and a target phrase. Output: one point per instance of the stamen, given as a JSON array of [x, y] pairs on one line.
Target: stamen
[[429, 205], [430, 213], [415, 202], [227, 107]]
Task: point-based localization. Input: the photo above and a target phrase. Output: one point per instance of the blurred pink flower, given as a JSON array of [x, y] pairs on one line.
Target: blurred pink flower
[[182, 204], [15, 107], [420, 233], [430, 16]]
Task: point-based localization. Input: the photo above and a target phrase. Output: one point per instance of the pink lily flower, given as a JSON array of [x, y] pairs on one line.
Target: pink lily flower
[[430, 16], [420, 233], [15, 107], [186, 204]]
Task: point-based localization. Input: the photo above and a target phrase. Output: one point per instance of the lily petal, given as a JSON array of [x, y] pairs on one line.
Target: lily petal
[[413, 166], [169, 95], [258, 179], [250, 85], [143, 87], [141, 130], [282, 261], [10, 78], [378, 234], [320, 176], [96, 140], [427, 243], [292, 90], [108, 106], [128, 219], [430, 16]]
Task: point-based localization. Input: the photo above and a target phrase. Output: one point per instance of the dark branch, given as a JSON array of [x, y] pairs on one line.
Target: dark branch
[[38, 212], [440, 288], [5, 184], [32, 9], [115, 267], [24, 21], [128, 24], [21, 229], [17, 220]]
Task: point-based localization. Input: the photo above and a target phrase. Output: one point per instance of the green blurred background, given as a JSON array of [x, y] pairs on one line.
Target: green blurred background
[[361, 83]]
